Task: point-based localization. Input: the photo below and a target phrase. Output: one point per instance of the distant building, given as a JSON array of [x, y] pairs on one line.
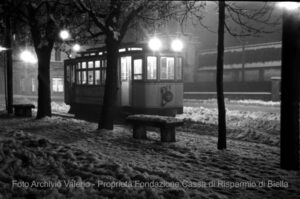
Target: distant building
[[248, 71]]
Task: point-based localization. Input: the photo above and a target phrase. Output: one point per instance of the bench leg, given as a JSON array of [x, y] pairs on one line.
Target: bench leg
[[139, 132], [167, 134]]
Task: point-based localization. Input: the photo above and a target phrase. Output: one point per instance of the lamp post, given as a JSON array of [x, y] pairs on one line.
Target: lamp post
[[290, 75]]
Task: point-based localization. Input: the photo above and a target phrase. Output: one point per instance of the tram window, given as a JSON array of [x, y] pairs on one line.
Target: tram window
[[166, 68], [83, 65], [104, 62], [151, 67], [68, 73], [97, 64], [137, 69], [90, 64], [179, 68], [78, 77], [83, 77], [125, 67], [78, 66], [90, 77], [97, 77], [103, 78]]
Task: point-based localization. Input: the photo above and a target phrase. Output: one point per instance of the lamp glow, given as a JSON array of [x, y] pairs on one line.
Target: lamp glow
[[289, 5], [28, 57], [154, 44], [2, 48], [177, 45], [64, 34], [76, 47]]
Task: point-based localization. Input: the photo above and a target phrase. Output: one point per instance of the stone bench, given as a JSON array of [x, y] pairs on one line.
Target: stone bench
[[165, 124], [23, 110]]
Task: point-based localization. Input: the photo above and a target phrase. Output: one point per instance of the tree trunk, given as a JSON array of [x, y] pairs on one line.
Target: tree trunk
[[220, 94], [9, 70], [290, 75], [44, 93], [110, 93]]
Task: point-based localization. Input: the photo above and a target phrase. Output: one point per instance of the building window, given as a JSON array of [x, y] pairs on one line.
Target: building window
[[57, 55], [137, 69], [57, 85], [151, 67], [22, 84], [33, 87], [166, 68]]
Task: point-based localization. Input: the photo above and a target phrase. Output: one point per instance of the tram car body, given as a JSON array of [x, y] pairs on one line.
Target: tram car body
[[148, 82]]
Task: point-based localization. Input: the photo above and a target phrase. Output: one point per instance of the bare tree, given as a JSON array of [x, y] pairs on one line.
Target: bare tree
[[112, 19], [220, 68], [290, 74], [7, 15], [44, 19], [251, 21]]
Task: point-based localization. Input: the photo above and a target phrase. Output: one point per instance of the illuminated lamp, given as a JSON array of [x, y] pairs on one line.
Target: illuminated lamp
[[76, 47], [64, 34], [154, 44], [28, 57], [177, 45]]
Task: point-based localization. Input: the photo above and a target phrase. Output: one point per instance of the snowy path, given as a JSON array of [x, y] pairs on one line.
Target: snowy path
[[193, 161], [240, 105]]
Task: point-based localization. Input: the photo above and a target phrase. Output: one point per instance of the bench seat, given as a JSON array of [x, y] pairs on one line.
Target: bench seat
[[23, 110], [165, 124]]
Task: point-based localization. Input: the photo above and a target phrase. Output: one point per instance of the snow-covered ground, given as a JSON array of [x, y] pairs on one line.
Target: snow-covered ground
[[65, 158]]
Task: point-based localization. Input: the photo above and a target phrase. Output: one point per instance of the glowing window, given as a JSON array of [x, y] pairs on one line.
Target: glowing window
[[97, 77], [97, 64], [83, 77], [166, 68], [90, 77], [179, 68], [57, 85], [83, 65], [151, 67], [33, 87], [137, 69], [78, 76], [125, 67], [90, 64]]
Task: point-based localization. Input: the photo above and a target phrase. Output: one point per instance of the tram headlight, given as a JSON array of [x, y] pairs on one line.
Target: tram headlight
[[28, 57], [154, 44], [177, 45]]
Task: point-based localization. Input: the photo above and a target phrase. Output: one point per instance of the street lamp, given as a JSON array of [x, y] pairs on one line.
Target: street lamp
[[2, 48], [28, 57], [64, 34]]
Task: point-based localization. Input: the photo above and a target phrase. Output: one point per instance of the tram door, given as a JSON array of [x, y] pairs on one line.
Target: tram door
[[126, 80]]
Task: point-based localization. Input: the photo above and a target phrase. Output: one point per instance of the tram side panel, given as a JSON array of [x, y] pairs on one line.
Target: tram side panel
[[157, 98]]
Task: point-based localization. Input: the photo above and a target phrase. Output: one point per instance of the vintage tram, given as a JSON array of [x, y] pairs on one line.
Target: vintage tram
[[149, 82]]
